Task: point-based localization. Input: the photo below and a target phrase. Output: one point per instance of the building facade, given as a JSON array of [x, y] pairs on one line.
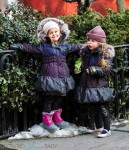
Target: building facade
[[65, 7]]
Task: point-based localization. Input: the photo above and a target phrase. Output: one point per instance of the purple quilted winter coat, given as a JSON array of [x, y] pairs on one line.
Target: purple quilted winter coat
[[54, 77]]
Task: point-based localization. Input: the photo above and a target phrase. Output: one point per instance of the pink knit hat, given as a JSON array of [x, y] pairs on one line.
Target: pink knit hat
[[97, 34]]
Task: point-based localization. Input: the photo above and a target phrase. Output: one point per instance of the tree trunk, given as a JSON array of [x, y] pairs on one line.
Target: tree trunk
[[83, 4], [120, 5]]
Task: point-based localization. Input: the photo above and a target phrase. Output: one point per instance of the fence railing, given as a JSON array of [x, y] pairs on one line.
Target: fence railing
[[9, 119], [121, 80]]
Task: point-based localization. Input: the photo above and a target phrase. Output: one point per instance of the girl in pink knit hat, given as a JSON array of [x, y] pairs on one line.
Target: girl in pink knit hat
[[93, 88]]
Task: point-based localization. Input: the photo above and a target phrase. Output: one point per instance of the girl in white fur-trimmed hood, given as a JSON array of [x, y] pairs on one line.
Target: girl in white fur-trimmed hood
[[55, 80]]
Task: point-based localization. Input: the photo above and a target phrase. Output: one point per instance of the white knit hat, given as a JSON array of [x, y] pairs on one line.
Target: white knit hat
[[52, 22], [49, 25]]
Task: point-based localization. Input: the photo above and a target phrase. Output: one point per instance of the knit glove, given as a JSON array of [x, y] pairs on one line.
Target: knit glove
[[95, 70], [16, 46]]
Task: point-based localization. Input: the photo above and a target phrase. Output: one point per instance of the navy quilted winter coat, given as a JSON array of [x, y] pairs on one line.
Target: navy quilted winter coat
[[94, 88]]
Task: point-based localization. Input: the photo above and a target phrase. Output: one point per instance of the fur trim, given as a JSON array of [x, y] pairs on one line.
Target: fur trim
[[63, 28], [110, 51]]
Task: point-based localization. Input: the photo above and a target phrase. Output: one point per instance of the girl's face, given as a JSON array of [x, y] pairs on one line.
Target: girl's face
[[92, 44], [54, 35]]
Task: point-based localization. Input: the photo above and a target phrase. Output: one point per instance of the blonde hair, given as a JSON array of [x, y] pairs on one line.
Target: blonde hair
[[102, 62]]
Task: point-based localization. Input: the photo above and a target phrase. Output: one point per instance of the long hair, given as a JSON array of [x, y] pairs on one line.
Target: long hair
[[102, 62]]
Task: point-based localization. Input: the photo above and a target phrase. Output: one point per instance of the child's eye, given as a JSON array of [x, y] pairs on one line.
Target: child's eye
[[93, 40]]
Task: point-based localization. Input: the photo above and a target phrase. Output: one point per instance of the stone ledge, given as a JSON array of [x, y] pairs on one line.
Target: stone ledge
[[119, 124]]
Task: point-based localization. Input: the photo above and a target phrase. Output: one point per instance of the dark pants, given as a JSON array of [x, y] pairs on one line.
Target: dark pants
[[52, 103], [101, 115]]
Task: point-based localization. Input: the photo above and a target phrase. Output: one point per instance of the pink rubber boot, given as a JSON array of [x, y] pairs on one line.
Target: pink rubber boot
[[59, 122], [48, 123]]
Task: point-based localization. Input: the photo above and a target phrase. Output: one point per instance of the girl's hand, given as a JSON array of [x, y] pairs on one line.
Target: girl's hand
[[87, 71], [76, 71]]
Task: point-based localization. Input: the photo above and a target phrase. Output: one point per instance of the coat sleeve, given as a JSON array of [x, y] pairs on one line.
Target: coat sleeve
[[95, 70], [73, 48], [32, 48]]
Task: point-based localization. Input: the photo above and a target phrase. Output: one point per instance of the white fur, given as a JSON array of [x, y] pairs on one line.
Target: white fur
[[110, 51]]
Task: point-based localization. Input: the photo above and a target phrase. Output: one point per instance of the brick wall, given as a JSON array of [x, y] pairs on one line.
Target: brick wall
[[2, 5]]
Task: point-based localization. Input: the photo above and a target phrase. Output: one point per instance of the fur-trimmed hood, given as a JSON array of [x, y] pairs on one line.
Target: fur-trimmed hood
[[110, 51], [63, 28]]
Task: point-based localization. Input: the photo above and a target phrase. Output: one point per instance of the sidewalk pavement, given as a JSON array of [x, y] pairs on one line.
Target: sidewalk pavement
[[119, 140]]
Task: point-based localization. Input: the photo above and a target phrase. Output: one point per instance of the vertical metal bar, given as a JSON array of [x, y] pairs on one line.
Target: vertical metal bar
[[116, 89], [3, 121], [123, 82], [15, 122], [25, 117], [122, 92]]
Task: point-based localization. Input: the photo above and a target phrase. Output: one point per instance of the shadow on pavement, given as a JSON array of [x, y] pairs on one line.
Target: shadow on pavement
[[2, 147]]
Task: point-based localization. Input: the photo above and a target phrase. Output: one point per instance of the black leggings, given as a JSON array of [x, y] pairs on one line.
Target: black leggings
[[52, 103], [101, 115]]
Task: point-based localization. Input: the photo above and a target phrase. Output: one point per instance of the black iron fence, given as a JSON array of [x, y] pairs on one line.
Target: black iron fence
[[121, 81], [8, 118], [11, 121]]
